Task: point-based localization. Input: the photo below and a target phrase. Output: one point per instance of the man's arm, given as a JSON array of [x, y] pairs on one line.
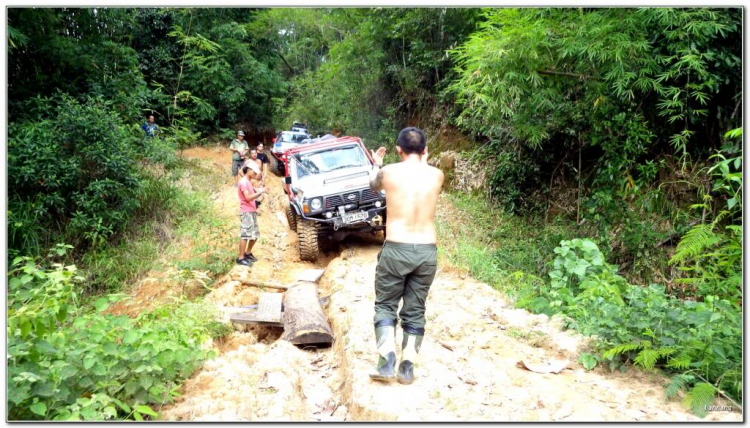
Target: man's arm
[[376, 178], [377, 174]]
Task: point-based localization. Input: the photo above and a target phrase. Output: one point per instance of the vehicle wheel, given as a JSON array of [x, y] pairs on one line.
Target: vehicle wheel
[[308, 240], [384, 222], [291, 217], [381, 234], [274, 165], [325, 243]]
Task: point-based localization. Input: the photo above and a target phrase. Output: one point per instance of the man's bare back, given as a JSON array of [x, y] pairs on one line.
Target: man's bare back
[[411, 188]]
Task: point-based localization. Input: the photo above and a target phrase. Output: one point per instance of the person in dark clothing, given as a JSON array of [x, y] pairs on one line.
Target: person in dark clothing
[[150, 128], [263, 158]]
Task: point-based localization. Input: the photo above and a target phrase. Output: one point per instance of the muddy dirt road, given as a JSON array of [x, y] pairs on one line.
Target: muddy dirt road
[[466, 370]]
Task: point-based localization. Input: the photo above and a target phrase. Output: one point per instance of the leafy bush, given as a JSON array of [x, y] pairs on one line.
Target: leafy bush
[[605, 95], [161, 150], [77, 165], [710, 253], [65, 363], [645, 325], [513, 176]]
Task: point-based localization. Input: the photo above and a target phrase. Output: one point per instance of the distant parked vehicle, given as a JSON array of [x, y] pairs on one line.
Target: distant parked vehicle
[[285, 140], [299, 127]]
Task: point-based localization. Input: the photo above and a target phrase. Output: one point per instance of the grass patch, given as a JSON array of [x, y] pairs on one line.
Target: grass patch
[[532, 337], [212, 240], [509, 253], [175, 208]]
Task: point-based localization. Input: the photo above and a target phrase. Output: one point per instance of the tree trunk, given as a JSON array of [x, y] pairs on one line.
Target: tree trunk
[[305, 323]]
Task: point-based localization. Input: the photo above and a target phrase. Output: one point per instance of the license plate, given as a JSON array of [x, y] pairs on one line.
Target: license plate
[[350, 218]]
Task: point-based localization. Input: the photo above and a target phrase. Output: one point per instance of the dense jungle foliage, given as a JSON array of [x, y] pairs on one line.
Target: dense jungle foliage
[[620, 127]]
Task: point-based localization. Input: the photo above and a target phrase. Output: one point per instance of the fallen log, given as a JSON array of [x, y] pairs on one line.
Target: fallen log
[[305, 323], [323, 302], [264, 284]]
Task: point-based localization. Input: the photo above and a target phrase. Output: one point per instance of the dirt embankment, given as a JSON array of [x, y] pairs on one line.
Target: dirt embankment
[[466, 370]]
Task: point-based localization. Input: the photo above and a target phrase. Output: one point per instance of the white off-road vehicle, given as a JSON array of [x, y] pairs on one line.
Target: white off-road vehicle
[[329, 193], [285, 140]]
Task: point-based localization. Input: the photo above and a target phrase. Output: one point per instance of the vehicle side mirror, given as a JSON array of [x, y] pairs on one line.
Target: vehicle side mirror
[[288, 180]]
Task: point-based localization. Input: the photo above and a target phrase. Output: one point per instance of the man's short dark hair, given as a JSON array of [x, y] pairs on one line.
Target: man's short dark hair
[[411, 140]]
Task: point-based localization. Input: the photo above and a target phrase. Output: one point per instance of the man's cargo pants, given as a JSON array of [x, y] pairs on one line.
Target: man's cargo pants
[[404, 271]]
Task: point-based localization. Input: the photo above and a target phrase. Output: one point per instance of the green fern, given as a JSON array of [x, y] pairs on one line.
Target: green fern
[[677, 383], [648, 357], [699, 397], [621, 349], [680, 362], [695, 241]]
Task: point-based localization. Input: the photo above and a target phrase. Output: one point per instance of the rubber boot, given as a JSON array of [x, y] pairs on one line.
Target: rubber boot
[[385, 333], [409, 350]]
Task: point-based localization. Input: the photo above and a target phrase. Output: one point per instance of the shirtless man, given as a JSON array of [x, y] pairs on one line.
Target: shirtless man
[[408, 261]]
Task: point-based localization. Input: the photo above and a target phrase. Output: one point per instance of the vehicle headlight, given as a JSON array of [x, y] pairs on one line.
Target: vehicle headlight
[[315, 204], [382, 193]]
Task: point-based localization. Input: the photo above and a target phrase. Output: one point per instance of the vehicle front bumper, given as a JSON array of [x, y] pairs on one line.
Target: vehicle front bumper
[[338, 223]]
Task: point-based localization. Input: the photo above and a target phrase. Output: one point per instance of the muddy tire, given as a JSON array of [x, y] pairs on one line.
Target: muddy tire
[[308, 240], [276, 166], [381, 234], [291, 217], [325, 243]]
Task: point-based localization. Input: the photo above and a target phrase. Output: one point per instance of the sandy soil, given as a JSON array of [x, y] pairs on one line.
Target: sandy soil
[[466, 370]]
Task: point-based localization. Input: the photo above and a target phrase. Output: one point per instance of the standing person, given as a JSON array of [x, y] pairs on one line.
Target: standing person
[[259, 180], [150, 128], [249, 231], [263, 158], [254, 158], [408, 261], [239, 149]]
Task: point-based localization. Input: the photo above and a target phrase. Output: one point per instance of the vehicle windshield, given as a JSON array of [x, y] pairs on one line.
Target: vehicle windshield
[[329, 160], [288, 137]]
